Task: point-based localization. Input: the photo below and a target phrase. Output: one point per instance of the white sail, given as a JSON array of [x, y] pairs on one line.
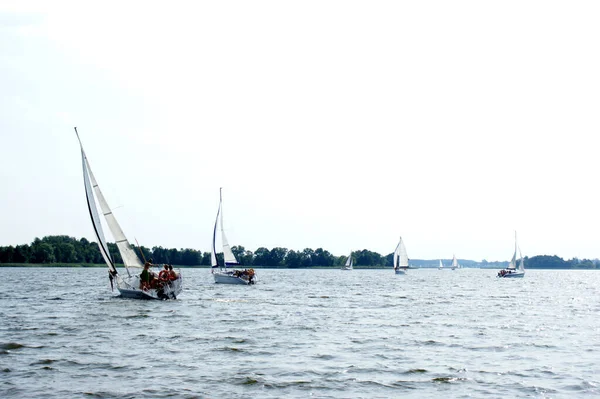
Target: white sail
[[400, 256], [513, 261], [227, 253], [213, 253], [441, 264], [349, 261], [521, 265], [130, 259], [102, 244], [455, 264]]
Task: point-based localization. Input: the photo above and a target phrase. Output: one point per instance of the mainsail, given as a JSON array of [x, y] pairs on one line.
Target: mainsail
[[130, 259], [400, 256], [89, 194], [513, 262], [455, 264], [349, 261], [521, 265], [228, 255]]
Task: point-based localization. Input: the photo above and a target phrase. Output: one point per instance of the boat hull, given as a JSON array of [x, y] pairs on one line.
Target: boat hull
[[512, 275], [346, 268], [399, 271], [230, 278], [129, 288]]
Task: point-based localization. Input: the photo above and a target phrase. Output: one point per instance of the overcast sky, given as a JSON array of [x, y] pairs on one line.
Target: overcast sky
[[333, 124]]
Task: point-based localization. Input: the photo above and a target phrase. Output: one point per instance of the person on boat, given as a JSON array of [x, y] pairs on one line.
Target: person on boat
[[145, 277], [164, 273], [172, 274]]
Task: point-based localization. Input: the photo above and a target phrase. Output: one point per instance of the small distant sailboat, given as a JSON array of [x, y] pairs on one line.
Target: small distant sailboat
[[441, 265], [455, 264], [223, 275], [516, 268], [349, 263], [400, 258], [129, 286]]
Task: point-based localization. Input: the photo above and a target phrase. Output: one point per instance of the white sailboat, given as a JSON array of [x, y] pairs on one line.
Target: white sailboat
[[441, 265], [349, 263], [130, 285], [400, 258], [221, 273], [516, 268], [455, 264]]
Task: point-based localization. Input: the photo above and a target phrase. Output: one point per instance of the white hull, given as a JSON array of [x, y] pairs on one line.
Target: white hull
[[129, 288], [400, 271], [229, 278], [517, 274], [346, 268]]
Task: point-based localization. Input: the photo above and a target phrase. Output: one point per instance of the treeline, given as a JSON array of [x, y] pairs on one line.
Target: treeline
[[65, 249], [554, 262]]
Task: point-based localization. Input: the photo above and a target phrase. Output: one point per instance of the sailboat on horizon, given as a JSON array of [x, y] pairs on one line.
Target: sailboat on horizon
[[349, 263], [400, 258], [516, 268], [455, 264], [221, 273]]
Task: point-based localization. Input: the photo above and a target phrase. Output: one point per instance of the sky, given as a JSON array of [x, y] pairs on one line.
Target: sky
[[335, 124]]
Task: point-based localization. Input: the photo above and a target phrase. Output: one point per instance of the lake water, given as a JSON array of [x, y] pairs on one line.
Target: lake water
[[303, 333]]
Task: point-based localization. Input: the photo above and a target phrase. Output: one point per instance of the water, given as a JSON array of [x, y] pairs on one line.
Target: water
[[303, 333]]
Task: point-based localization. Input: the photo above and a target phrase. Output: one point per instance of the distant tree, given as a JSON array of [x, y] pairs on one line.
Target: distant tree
[[262, 257], [6, 254], [306, 258], [65, 252], [293, 259], [42, 252], [277, 255], [369, 258], [22, 254]]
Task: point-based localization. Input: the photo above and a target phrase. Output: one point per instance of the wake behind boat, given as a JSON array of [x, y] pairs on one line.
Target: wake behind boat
[[515, 269], [400, 258], [220, 272], [131, 285]]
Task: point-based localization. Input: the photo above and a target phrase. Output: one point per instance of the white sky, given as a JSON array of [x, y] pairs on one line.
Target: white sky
[[333, 124]]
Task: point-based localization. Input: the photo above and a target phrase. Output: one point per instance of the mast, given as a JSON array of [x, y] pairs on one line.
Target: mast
[[228, 256], [213, 256]]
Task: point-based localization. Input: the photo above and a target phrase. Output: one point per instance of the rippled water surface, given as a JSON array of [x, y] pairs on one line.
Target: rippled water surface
[[303, 333]]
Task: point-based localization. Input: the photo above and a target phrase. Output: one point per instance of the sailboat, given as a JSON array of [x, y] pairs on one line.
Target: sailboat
[[220, 272], [441, 265], [128, 285], [455, 264], [400, 258], [516, 268], [349, 263]]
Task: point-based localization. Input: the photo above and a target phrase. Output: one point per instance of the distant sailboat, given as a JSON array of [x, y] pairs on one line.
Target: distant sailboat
[[455, 264], [223, 275], [516, 268], [129, 286], [349, 263], [400, 258], [441, 265]]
